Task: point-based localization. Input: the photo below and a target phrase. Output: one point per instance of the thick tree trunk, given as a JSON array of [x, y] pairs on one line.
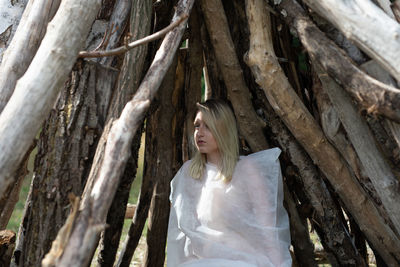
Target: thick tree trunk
[[84, 233], [162, 165], [66, 148], [286, 104], [37, 90]]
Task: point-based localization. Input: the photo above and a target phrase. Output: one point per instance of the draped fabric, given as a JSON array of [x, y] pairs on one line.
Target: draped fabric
[[241, 223]]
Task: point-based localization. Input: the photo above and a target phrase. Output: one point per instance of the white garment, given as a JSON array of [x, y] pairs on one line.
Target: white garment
[[238, 224]]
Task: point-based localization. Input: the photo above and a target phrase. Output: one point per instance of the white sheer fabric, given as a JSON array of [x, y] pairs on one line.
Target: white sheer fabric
[[242, 223]]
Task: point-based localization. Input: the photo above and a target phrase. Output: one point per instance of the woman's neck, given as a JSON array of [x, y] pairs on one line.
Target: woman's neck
[[214, 159]]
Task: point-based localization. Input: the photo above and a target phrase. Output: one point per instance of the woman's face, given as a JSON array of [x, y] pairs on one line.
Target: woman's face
[[205, 141]]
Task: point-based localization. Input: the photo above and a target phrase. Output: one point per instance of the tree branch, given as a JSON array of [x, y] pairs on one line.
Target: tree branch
[[123, 49]]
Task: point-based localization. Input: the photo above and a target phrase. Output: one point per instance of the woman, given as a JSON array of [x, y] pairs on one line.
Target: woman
[[226, 210]]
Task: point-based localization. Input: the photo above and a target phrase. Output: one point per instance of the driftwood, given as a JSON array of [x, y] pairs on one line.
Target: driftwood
[[263, 62], [24, 45], [84, 236], [37, 90], [238, 93], [374, 96], [366, 31]]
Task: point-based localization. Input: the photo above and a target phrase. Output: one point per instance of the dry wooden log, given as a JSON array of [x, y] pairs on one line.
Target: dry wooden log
[[7, 244], [194, 68], [385, 5], [376, 71], [37, 90], [9, 21], [67, 144], [131, 71], [303, 247], [395, 6], [334, 236], [238, 93], [161, 171], [213, 78], [24, 45], [84, 235], [368, 26], [371, 94], [269, 76], [374, 163]]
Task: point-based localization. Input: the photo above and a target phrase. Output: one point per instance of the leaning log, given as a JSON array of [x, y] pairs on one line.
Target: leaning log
[[37, 90], [238, 93], [269, 75], [374, 164], [372, 95], [334, 235], [362, 22], [24, 45], [9, 21], [84, 235]]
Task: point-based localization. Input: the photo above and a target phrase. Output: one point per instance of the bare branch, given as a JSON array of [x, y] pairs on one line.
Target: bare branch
[[123, 49]]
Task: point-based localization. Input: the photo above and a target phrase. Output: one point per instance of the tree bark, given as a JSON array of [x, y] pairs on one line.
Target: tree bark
[[85, 231], [193, 68], [37, 90], [372, 95], [366, 30], [24, 45], [374, 163], [262, 60], [249, 125], [303, 247], [159, 146], [7, 244], [130, 76]]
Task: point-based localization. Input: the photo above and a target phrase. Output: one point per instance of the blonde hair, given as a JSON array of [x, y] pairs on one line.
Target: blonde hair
[[219, 118]]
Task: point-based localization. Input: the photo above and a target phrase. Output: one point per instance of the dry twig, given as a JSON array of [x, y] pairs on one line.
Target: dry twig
[[126, 48]]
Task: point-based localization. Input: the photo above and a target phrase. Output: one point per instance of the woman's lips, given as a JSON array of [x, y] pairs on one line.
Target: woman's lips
[[200, 142]]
